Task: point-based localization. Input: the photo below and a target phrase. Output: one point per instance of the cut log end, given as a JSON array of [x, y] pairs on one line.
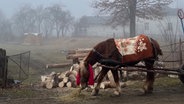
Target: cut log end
[[61, 84]]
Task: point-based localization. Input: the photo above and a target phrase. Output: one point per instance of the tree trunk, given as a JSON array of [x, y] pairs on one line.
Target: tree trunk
[[58, 32], [132, 7], [62, 32]]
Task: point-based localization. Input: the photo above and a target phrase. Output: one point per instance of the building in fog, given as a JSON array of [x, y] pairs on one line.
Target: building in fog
[[97, 26]]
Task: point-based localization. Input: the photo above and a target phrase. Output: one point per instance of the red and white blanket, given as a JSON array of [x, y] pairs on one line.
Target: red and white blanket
[[134, 49]]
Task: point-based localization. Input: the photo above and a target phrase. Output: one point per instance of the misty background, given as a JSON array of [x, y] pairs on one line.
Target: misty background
[[77, 8], [74, 18]]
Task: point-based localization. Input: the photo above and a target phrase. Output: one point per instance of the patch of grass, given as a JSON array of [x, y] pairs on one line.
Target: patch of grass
[[18, 93], [159, 82], [166, 81], [73, 96]]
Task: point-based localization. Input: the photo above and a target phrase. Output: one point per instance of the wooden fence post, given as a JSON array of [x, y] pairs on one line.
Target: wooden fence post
[[180, 52], [3, 67]]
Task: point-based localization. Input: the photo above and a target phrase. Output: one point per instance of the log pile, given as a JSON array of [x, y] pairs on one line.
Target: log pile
[[78, 53], [59, 65], [68, 78], [64, 79]]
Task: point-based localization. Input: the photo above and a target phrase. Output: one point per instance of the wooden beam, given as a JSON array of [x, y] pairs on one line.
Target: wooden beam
[[61, 65]]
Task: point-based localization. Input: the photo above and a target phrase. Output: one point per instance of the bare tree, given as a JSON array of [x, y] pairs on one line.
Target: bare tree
[[66, 22], [123, 10], [80, 27], [39, 17], [24, 20], [47, 23], [5, 28], [62, 19]]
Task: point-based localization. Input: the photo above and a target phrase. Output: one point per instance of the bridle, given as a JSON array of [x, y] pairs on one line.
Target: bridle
[[98, 54]]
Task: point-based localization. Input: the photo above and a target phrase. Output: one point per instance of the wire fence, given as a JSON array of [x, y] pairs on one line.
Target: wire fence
[[173, 54], [18, 66]]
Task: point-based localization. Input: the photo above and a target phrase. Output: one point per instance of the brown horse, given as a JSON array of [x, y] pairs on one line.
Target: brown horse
[[126, 52]]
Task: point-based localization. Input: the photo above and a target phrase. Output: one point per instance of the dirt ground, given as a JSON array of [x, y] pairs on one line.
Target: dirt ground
[[133, 94]]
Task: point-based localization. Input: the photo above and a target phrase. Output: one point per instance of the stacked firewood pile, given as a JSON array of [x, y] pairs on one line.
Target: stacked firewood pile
[[63, 79], [68, 79], [78, 53]]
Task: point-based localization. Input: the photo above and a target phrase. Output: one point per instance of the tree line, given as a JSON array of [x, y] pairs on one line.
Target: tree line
[[56, 20], [45, 20]]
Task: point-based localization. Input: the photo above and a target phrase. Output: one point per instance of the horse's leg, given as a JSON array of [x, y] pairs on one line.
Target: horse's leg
[[116, 80], [99, 80], [150, 78]]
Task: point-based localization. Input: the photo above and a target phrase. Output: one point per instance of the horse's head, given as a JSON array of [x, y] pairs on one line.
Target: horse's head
[[85, 75]]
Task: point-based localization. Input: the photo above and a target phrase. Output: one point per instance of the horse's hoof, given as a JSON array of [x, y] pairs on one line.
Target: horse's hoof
[[95, 92], [116, 93]]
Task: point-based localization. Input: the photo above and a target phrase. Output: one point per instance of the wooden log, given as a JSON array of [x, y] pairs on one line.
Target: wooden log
[[61, 65], [72, 56], [71, 73], [61, 76], [62, 84], [86, 50], [52, 73], [49, 81], [72, 79], [68, 73], [74, 72], [69, 84], [78, 53], [80, 50], [65, 79], [50, 85], [74, 67], [46, 78], [71, 68]]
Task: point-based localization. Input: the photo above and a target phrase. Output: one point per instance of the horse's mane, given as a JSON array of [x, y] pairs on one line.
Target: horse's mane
[[104, 49], [156, 46]]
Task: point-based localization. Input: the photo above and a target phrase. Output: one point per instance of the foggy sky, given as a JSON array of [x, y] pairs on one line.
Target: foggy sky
[[77, 8]]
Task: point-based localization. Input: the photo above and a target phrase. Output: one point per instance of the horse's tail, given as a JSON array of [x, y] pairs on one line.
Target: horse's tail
[[156, 46]]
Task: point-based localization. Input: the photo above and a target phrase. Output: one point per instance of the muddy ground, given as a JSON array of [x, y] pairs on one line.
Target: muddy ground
[[164, 93]]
